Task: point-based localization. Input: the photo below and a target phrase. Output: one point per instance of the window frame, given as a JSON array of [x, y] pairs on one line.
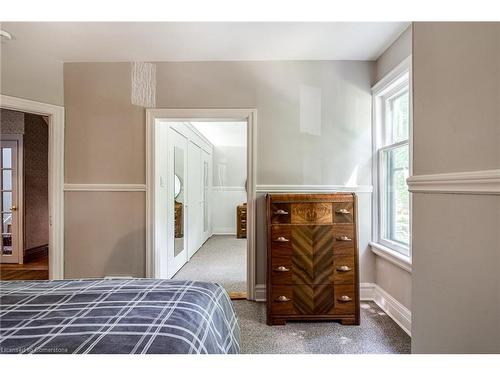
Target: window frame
[[395, 83]]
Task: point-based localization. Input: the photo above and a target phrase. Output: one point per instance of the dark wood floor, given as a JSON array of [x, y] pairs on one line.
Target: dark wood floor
[[37, 269]]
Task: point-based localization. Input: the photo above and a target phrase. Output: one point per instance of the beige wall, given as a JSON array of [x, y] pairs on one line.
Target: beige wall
[[396, 53], [29, 75], [462, 116], [390, 277], [11, 122], [394, 280], [105, 135], [456, 240], [104, 144], [104, 234], [287, 155]]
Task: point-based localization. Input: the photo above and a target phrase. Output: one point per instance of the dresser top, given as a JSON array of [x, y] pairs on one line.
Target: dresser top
[[317, 197]]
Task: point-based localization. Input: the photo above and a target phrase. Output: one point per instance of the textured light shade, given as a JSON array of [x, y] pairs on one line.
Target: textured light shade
[[143, 84]]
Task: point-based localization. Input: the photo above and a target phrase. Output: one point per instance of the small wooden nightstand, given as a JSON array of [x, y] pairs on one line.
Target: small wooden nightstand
[[241, 221]]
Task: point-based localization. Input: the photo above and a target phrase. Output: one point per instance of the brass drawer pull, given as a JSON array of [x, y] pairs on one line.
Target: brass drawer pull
[[282, 239], [282, 299], [281, 212], [345, 299], [343, 268], [343, 211], [344, 238], [282, 269]]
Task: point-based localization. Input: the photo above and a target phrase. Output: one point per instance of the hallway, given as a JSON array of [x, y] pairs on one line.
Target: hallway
[[221, 259]]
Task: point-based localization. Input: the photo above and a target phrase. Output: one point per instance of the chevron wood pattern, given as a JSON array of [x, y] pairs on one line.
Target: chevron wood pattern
[[312, 254], [302, 254]]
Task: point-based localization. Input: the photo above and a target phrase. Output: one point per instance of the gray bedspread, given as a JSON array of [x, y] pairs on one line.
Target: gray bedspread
[[116, 316]]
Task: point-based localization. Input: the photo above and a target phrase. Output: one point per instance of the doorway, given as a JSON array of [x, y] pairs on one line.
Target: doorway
[[216, 204], [53, 123], [184, 234], [24, 196]]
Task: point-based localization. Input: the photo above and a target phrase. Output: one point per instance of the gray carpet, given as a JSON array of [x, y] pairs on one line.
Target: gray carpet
[[222, 259], [378, 333]]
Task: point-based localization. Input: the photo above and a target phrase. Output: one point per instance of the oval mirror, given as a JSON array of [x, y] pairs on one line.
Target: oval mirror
[[177, 186]]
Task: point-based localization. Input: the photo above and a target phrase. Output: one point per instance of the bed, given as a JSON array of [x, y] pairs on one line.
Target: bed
[[117, 316]]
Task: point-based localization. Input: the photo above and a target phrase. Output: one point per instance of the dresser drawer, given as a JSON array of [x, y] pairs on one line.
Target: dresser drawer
[[280, 213], [343, 212], [311, 213], [302, 299], [281, 237], [281, 267], [344, 241], [344, 271], [282, 300], [345, 299]]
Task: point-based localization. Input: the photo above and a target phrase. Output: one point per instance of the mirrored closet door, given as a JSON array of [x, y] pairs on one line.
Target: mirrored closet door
[[177, 191]]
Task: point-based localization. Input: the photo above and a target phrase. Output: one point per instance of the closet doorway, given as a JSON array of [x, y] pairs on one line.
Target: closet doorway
[[201, 196]]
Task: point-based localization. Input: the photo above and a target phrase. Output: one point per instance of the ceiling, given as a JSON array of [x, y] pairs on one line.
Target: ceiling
[[208, 41], [223, 134]]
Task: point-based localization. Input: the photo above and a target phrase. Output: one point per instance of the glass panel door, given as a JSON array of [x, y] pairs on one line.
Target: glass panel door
[[9, 248]]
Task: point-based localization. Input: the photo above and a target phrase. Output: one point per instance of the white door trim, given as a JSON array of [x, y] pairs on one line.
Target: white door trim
[[249, 115], [56, 175]]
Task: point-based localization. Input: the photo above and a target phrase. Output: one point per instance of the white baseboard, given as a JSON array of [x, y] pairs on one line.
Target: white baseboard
[[368, 292], [392, 307], [224, 231], [260, 292]]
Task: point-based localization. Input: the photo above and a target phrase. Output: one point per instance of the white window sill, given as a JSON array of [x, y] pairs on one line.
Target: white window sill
[[392, 256]]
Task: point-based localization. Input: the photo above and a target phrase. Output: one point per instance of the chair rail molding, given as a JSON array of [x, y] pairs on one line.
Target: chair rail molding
[[313, 188], [105, 187], [474, 182]]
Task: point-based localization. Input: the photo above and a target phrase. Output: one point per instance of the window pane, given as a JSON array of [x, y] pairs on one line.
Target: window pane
[[6, 157], [6, 234], [400, 114], [7, 179], [396, 207], [7, 201]]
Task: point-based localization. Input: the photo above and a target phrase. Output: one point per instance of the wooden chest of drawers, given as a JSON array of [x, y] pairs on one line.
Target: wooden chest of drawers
[[312, 258], [241, 221]]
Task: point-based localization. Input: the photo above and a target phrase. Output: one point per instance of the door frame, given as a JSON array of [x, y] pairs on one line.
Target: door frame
[[250, 117], [19, 194], [55, 115]]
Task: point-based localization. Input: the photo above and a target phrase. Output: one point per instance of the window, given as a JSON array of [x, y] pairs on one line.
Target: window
[[392, 152]]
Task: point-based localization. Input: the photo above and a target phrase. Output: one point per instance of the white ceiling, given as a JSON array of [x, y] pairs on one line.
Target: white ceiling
[[223, 134], [194, 41]]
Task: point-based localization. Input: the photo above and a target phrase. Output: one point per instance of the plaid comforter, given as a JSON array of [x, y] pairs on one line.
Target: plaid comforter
[[116, 316]]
